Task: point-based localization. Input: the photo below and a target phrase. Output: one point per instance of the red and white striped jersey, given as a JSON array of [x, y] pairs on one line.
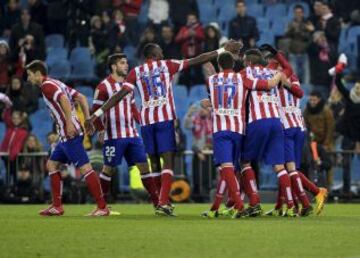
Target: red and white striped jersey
[[118, 121], [290, 110], [153, 79], [52, 90], [228, 91], [262, 104]]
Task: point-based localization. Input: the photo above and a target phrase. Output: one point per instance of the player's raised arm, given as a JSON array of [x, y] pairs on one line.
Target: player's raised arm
[[257, 84], [231, 46]]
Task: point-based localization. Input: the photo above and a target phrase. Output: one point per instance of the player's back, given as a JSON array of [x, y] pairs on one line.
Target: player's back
[[262, 104], [291, 115], [154, 79], [119, 120], [228, 95], [52, 90]]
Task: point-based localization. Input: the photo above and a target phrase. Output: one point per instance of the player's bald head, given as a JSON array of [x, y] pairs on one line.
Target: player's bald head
[[226, 60], [152, 50]]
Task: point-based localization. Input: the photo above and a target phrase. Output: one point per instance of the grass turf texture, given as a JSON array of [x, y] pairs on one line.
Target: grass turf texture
[[139, 233]]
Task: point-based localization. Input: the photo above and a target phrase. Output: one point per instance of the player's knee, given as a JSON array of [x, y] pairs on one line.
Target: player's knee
[[85, 168], [107, 170], [290, 166], [278, 168]]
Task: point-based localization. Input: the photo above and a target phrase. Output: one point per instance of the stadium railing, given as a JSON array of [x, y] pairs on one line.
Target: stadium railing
[[345, 171]]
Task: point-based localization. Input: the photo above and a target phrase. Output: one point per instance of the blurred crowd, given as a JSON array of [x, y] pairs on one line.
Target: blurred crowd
[[108, 26]]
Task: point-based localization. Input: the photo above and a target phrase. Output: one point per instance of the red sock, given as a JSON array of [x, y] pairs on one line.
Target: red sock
[[56, 187], [227, 174], [279, 200], [298, 188], [105, 182], [94, 187], [166, 180], [157, 181], [308, 185], [249, 182], [149, 184], [220, 189], [285, 187]]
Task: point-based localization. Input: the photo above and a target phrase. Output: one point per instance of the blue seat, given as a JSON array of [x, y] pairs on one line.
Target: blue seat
[[180, 90], [353, 33], [267, 178], [303, 4], [197, 93], [86, 91], [130, 51], [227, 12], [208, 13], [44, 125], [60, 69], [2, 129], [275, 11], [279, 26], [144, 11], [255, 10], [263, 24], [56, 54], [54, 41], [80, 54], [266, 37], [342, 40], [124, 178], [83, 70]]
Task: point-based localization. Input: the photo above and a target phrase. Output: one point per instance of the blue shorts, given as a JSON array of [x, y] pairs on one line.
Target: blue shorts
[[294, 143], [264, 141], [227, 147], [71, 151], [159, 137], [132, 149]]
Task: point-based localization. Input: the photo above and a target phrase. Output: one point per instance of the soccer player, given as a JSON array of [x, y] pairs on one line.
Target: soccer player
[[293, 122], [264, 139], [228, 91], [117, 129], [153, 79], [60, 100]]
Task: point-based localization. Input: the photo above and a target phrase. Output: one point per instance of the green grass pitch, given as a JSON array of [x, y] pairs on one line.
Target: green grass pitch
[[139, 233]]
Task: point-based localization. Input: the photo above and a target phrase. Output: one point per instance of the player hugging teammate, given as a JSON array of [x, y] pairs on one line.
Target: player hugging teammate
[[274, 134]]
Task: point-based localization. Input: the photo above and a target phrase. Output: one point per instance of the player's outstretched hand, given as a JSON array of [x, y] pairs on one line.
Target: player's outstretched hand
[[89, 127], [233, 46], [268, 47], [101, 136]]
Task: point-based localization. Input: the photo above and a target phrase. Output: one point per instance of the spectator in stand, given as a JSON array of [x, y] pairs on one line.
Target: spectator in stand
[[179, 10], [330, 25], [79, 13], [12, 16], [15, 135], [198, 120], [158, 13], [23, 191], [316, 16], [27, 37], [99, 44], [148, 36], [171, 50], [56, 17], [190, 38], [38, 12], [322, 58], [5, 65], [319, 120], [299, 32], [33, 145], [119, 28], [243, 27], [24, 99], [350, 126], [131, 9], [27, 51], [336, 104], [213, 39]]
